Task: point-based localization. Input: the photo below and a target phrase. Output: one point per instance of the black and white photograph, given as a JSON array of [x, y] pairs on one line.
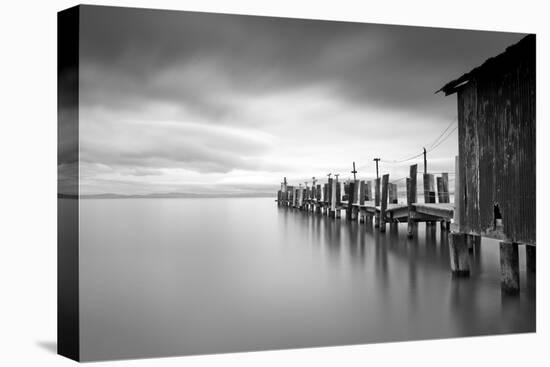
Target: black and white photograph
[[247, 183]]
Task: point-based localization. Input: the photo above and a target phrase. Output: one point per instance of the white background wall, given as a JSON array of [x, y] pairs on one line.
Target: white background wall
[[28, 182]]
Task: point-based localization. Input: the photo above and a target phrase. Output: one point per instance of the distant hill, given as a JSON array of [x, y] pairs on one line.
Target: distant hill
[[177, 195]]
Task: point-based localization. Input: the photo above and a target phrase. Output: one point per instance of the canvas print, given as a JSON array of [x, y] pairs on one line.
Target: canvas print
[[232, 183]]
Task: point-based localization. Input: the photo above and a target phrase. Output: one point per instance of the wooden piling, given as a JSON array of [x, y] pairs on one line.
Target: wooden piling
[[346, 190], [368, 191], [351, 200], [392, 193], [429, 190], [377, 202], [457, 197], [411, 198], [355, 208], [332, 212], [458, 251], [361, 200], [329, 192], [445, 187], [377, 192], [290, 197], [384, 203], [338, 192], [509, 268], [474, 241], [439, 184], [319, 198]]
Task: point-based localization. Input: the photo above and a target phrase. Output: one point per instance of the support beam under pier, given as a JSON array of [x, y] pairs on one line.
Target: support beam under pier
[[460, 259], [509, 268]]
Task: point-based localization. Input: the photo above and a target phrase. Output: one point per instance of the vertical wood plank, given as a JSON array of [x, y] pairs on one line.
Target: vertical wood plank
[[351, 200], [411, 198], [445, 187], [429, 189], [413, 171], [377, 192], [439, 183], [368, 189], [384, 203], [361, 198], [457, 197], [392, 193]]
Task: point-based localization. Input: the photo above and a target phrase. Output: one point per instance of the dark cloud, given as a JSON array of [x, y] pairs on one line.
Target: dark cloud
[[393, 66], [215, 94]]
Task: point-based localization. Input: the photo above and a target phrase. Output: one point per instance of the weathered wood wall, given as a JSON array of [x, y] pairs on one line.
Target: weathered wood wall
[[496, 115]]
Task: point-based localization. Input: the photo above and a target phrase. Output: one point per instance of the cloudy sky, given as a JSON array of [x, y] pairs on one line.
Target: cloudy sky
[[211, 103]]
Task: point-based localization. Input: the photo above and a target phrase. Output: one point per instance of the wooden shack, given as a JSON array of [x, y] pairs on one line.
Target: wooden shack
[[495, 174]]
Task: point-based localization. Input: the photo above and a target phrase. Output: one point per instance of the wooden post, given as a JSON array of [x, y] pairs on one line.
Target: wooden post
[[338, 191], [439, 189], [290, 196], [429, 190], [368, 191], [411, 198], [377, 192], [351, 199], [356, 195], [445, 187], [474, 241], [457, 197], [384, 203], [377, 202], [338, 196], [361, 200], [509, 268], [329, 191], [458, 251], [392, 193], [531, 258], [318, 195], [425, 162], [333, 198]]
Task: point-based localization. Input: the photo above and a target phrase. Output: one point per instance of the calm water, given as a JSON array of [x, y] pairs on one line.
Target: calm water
[[187, 276]]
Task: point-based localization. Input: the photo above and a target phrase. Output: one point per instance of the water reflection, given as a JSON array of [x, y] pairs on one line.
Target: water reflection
[[268, 277], [474, 305]]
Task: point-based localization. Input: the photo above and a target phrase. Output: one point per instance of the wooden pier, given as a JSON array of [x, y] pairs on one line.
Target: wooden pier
[[358, 203], [494, 191]]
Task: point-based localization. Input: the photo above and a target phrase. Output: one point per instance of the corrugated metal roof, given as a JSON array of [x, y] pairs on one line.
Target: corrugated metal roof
[[494, 65]]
